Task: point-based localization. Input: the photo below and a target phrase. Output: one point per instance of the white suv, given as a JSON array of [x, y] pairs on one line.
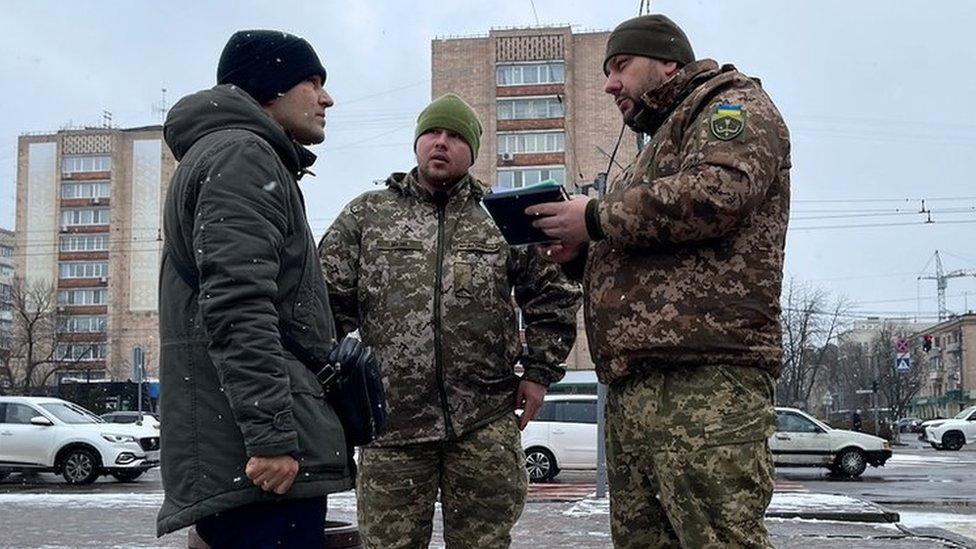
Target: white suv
[[50, 434], [951, 434], [802, 441], [562, 436]]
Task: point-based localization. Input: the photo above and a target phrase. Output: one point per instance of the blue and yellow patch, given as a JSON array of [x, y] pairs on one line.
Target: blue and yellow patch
[[727, 122]]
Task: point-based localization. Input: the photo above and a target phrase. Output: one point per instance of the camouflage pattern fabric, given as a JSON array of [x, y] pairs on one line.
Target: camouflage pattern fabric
[[429, 285], [481, 478], [691, 266], [687, 457]]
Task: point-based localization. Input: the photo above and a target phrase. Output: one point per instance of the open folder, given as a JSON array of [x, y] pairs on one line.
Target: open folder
[[507, 209]]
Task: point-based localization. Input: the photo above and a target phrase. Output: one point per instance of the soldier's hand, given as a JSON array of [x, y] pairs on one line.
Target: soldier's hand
[[272, 474], [558, 252], [563, 220], [529, 399]]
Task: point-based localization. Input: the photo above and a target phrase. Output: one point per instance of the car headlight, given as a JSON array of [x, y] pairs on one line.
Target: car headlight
[[118, 439], [934, 425]]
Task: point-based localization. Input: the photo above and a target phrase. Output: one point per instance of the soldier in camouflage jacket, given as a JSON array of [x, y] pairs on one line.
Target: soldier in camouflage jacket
[[425, 276], [682, 264]]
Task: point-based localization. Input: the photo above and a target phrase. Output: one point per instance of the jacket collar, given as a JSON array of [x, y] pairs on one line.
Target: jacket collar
[[660, 102]]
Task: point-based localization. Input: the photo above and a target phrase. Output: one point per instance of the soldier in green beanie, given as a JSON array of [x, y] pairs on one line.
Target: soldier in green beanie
[[427, 278], [692, 234]]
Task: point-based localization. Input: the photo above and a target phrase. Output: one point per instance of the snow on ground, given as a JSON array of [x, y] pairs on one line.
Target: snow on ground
[[588, 507], [964, 525], [915, 459], [345, 501], [805, 501]]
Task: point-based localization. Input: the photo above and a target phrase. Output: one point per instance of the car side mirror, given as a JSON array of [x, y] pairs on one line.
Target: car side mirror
[[42, 421]]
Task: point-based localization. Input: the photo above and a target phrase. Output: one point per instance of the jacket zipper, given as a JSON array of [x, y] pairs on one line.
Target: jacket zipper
[[438, 358]]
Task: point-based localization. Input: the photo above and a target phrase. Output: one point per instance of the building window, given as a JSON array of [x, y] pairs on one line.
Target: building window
[[98, 296], [84, 269], [6, 270], [84, 243], [537, 142], [85, 217], [552, 72], [520, 177], [82, 324], [527, 109], [82, 375], [79, 164], [88, 189], [6, 251], [82, 351]]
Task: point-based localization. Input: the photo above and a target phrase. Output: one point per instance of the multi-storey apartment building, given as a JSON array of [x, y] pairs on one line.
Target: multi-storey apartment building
[[7, 269], [89, 206], [539, 94], [950, 367]]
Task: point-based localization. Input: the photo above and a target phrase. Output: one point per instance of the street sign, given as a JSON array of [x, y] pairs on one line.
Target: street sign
[[901, 345], [864, 391], [903, 363]]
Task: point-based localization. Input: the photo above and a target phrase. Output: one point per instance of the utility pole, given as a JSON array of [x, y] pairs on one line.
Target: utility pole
[[941, 279]]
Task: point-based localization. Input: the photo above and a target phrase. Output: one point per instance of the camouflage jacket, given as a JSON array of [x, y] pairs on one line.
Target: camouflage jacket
[[429, 284], [689, 266]]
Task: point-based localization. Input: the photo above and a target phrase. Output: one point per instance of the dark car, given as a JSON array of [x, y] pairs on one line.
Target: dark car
[[909, 425]]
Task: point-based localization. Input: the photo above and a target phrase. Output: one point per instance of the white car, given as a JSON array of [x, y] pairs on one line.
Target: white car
[[562, 436], [951, 434], [53, 435], [803, 441]]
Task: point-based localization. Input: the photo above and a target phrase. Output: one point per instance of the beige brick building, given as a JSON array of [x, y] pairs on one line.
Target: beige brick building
[[950, 379], [89, 211], [539, 94]]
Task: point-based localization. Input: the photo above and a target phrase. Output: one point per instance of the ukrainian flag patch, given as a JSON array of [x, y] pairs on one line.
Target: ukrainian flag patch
[[727, 122]]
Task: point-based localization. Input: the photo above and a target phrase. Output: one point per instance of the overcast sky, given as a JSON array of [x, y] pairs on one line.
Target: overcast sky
[[878, 95]]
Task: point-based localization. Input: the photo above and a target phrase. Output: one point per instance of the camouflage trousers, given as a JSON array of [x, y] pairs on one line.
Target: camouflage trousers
[[688, 464], [481, 479]]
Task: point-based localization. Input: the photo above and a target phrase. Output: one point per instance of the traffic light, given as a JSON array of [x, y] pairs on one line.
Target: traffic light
[[927, 343]]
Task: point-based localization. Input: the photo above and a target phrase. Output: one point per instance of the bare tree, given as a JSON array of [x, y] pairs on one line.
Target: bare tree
[[898, 388], [811, 321], [35, 339]]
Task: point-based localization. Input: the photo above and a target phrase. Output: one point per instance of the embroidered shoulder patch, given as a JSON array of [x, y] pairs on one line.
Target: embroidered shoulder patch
[[727, 122]]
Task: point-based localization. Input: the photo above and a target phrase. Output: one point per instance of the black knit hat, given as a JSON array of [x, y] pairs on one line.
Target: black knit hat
[[649, 36], [267, 63]]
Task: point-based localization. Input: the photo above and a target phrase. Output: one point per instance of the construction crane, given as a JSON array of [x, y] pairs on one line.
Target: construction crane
[[941, 279]]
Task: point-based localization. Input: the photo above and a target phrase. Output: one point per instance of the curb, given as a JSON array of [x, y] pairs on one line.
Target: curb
[[941, 535], [877, 515]]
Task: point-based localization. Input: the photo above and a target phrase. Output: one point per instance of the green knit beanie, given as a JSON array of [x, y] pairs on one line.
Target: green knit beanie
[[450, 112], [649, 36]]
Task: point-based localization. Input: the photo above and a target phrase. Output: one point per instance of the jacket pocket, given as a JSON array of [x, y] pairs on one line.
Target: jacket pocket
[[322, 444], [480, 271]]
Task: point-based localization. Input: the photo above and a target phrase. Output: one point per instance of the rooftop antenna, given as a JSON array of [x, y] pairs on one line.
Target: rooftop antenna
[[159, 109]]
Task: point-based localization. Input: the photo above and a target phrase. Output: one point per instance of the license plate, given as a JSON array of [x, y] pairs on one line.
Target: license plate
[[152, 456]]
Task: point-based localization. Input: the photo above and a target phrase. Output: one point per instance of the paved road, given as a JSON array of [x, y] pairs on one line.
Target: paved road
[[929, 488]]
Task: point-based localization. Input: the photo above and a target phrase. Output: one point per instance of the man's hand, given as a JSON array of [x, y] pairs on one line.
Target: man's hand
[[563, 220], [272, 474], [529, 398], [559, 253]]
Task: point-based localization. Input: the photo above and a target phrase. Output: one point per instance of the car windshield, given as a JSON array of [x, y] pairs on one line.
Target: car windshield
[[71, 413], [965, 413]]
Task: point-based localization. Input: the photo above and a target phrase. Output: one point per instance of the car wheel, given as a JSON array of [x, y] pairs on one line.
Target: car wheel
[[953, 441], [128, 476], [80, 466], [936, 446], [851, 462], [540, 465]]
